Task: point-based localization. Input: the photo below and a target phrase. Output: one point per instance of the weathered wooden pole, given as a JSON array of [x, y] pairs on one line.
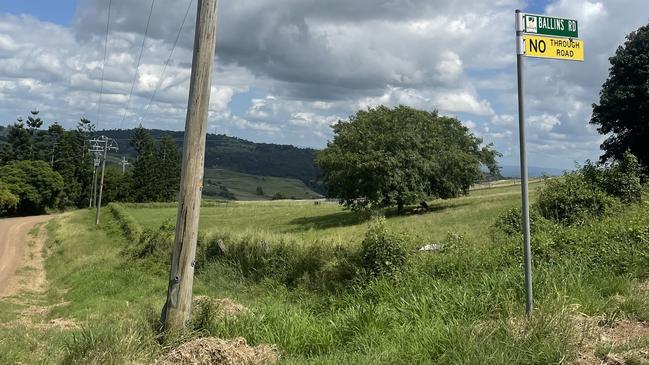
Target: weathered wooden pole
[[177, 309]]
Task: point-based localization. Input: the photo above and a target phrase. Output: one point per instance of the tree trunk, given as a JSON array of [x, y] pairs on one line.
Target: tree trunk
[[399, 206]]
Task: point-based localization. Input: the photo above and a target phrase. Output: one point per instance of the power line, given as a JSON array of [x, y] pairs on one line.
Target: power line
[[103, 65], [137, 68], [164, 69]]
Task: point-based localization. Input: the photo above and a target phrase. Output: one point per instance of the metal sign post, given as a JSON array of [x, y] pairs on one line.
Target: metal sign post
[[527, 249], [550, 38]]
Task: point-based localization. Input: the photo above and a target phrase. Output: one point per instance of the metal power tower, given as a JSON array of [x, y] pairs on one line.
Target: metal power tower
[[95, 165], [124, 163], [99, 147]]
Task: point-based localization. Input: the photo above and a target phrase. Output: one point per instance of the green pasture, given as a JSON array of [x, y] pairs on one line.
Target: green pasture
[[328, 221]]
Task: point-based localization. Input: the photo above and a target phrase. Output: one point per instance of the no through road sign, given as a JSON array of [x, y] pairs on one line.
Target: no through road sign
[[553, 47]]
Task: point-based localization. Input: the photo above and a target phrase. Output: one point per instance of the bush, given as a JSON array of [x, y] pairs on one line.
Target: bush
[[618, 243], [571, 200], [621, 179], [8, 201], [511, 222], [278, 196], [382, 252]]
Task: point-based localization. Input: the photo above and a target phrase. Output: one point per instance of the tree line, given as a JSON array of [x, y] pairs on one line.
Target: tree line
[[43, 169]]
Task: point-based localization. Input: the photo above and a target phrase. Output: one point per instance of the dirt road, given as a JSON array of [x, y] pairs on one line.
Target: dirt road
[[13, 242]]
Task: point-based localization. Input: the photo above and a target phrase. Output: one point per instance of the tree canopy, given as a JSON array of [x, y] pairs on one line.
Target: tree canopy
[[156, 170], [385, 157], [34, 183], [53, 168], [623, 109]]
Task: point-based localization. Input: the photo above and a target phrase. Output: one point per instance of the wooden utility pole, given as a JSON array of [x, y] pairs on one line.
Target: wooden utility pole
[[177, 309]]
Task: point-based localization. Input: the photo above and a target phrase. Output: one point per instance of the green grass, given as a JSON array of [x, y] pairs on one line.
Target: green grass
[[461, 306], [244, 186], [327, 221]]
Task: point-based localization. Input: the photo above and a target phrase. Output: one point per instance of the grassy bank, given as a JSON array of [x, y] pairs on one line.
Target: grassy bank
[[462, 305]]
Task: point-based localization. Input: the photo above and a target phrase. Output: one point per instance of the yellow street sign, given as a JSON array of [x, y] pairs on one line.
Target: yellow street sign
[[552, 47]]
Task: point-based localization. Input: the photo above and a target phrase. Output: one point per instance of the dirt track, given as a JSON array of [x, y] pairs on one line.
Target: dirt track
[[13, 242]]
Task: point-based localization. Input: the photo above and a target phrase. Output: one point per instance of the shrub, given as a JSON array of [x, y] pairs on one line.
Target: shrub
[[382, 252], [571, 200], [8, 201], [278, 196], [511, 221], [623, 178], [618, 243]]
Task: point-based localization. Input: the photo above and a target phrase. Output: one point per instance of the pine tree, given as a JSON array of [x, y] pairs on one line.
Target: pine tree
[[168, 169], [145, 187], [20, 141], [36, 145]]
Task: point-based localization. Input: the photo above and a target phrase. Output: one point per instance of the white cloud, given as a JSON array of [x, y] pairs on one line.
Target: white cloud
[[463, 101], [286, 69], [259, 126], [544, 122]]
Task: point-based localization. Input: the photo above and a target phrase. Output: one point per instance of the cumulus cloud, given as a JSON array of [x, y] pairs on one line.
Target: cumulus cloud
[[287, 69]]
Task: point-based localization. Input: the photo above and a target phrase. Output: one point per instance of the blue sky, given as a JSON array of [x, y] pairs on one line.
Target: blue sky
[[285, 70], [56, 11]]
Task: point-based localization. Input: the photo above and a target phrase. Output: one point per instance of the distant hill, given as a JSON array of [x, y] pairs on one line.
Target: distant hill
[[239, 155], [532, 171]]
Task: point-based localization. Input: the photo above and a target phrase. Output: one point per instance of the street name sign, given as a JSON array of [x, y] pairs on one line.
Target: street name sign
[[545, 25], [553, 47]]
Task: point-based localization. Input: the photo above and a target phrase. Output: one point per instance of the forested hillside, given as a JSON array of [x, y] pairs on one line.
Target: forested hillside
[[239, 155]]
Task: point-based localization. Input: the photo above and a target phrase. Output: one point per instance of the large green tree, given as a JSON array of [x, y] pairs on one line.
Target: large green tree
[[623, 109], [35, 184], [385, 157]]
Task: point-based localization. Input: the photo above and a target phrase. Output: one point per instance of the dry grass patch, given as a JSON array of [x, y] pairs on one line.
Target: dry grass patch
[[215, 351], [601, 336], [220, 307]]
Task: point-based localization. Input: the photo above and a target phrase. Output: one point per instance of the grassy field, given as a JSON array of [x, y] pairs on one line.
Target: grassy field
[[244, 186], [329, 222], [463, 305]]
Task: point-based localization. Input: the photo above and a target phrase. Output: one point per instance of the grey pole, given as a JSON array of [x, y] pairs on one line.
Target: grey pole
[[527, 250], [101, 184]]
